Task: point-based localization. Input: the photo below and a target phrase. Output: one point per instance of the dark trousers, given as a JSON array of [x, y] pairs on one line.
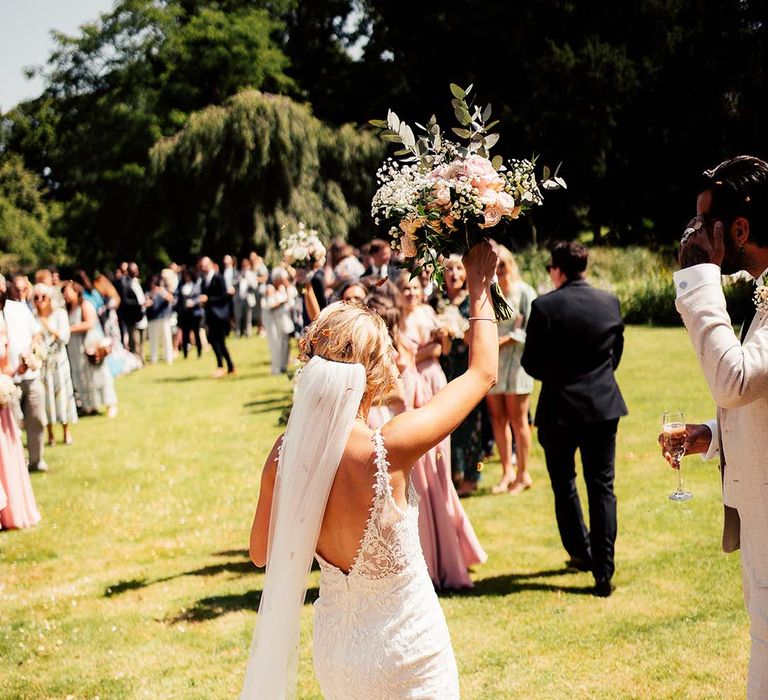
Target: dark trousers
[[597, 444], [217, 333], [187, 330]]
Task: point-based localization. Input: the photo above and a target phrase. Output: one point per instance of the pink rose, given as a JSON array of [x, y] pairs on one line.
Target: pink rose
[[492, 217], [477, 167], [505, 202], [449, 220]]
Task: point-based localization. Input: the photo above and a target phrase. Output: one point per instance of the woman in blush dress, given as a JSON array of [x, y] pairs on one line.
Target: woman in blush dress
[[447, 537], [338, 491], [94, 384], [18, 508], [467, 450], [60, 406], [509, 401]]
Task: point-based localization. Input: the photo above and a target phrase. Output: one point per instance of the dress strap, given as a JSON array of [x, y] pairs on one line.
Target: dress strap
[[383, 487]]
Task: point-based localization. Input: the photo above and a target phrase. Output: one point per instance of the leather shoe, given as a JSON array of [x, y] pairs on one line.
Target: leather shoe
[[579, 564], [604, 588]]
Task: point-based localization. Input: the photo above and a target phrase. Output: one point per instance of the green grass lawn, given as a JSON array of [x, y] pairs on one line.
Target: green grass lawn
[[137, 583]]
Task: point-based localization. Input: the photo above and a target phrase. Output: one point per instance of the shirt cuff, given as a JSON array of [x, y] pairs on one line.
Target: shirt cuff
[[690, 278], [714, 444]]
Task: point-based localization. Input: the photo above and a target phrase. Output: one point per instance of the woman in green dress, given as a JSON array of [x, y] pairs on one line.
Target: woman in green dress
[[467, 439]]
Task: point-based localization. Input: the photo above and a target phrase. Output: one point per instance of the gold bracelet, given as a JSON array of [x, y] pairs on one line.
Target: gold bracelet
[[482, 318]]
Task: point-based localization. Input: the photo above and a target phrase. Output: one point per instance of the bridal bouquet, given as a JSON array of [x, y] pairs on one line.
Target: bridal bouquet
[[441, 197], [302, 248], [9, 392], [452, 322]]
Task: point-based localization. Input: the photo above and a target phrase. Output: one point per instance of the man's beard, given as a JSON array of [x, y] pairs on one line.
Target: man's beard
[[733, 258]]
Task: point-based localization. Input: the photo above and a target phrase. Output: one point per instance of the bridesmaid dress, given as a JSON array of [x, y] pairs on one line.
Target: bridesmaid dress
[[448, 539], [18, 508]]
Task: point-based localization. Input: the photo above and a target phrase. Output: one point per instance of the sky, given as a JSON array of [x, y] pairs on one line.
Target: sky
[[25, 39]]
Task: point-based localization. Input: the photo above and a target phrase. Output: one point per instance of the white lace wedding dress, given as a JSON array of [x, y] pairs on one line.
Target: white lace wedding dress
[[379, 631]]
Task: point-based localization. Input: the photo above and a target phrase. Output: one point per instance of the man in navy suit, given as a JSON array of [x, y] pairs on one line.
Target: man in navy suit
[[574, 342], [215, 299]]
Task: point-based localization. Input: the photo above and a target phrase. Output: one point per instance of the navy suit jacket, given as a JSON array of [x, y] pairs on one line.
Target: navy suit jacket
[[217, 306], [574, 341]]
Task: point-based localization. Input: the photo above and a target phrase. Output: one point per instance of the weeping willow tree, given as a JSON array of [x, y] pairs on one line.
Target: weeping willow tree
[[236, 174]]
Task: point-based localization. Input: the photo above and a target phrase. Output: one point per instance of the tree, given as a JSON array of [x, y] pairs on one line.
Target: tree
[[255, 165], [24, 220], [128, 79]]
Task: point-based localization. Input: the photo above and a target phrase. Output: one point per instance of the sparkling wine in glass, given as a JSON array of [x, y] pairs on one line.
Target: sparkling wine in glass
[[673, 430]]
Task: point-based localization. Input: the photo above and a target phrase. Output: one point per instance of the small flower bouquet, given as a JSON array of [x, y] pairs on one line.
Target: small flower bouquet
[[302, 248], [441, 197], [451, 321], [9, 392]]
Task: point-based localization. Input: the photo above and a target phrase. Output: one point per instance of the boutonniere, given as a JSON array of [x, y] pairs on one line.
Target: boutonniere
[[760, 297]]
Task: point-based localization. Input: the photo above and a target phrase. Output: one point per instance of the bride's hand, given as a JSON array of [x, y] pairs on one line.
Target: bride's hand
[[480, 265]]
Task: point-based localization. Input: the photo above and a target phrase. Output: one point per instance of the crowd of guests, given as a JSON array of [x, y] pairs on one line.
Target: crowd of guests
[[63, 342], [68, 340]]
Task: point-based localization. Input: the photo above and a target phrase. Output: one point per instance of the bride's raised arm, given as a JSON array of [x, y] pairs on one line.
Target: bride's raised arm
[[409, 435]]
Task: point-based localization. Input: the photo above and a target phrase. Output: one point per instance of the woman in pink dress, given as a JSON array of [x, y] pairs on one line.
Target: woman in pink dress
[[448, 539], [17, 501]]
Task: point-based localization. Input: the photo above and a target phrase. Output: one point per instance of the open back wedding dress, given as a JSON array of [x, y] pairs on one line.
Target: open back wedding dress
[[379, 630]]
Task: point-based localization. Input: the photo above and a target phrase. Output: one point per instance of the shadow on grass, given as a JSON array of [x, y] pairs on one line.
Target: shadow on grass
[[242, 567], [215, 606], [508, 584]]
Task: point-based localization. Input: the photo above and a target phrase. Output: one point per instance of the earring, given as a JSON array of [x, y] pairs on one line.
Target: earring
[[741, 250]]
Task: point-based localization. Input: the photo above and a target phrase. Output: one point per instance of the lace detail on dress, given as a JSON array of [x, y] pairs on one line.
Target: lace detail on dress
[[379, 631], [387, 546]]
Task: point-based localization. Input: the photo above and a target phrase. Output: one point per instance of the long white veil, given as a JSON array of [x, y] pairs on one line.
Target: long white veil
[[325, 405]]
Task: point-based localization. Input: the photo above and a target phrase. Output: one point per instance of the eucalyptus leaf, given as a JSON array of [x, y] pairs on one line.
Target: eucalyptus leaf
[[545, 173], [432, 121], [482, 152], [463, 117], [394, 122], [462, 133], [497, 162], [457, 104], [437, 141], [456, 91], [487, 112], [490, 126], [469, 89], [394, 138], [408, 138], [491, 140], [402, 152]]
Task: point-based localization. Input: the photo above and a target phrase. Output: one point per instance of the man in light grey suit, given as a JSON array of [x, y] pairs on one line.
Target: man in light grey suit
[[730, 233]]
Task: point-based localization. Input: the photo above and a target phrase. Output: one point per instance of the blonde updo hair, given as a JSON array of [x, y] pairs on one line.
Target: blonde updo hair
[[352, 333]]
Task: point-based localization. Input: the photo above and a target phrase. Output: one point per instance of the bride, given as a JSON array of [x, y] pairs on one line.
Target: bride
[[334, 489]]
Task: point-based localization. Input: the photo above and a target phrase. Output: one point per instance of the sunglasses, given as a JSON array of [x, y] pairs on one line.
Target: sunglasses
[[40, 298]]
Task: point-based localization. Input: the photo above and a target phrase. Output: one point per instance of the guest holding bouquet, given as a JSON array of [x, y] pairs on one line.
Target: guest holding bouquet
[[93, 382], [509, 401], [60, 406]]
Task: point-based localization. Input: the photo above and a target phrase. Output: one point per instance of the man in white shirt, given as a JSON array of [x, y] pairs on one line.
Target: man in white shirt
[[728, 234], [23, 329]]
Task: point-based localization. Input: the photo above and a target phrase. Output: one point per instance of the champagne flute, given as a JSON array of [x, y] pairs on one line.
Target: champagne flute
[[673, 430]]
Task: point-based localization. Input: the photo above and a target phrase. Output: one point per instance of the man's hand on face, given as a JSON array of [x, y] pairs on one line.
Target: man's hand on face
[[700, 245]]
